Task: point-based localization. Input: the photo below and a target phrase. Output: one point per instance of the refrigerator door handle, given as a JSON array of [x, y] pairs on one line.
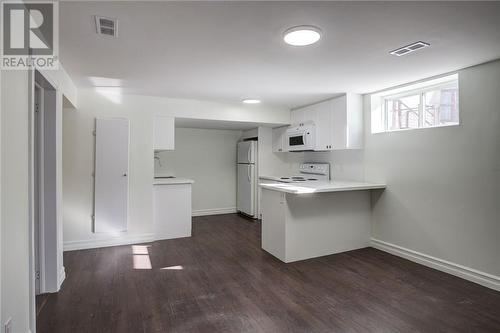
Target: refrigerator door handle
[[248, 173], [249, 153]]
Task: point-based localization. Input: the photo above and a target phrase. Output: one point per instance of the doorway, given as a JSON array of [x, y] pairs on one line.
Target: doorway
[[46, 190]]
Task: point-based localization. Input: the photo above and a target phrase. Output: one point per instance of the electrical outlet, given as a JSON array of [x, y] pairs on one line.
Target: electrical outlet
[[8, 326]]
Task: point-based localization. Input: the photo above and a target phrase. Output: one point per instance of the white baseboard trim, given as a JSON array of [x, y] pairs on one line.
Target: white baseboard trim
[[213, 211], [96, 243], [467, 273], [61, 278]]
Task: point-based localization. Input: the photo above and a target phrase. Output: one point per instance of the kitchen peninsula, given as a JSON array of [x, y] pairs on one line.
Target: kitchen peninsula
[[313, 219]]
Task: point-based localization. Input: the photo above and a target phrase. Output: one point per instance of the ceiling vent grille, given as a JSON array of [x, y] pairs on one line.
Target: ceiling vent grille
[[106, 26], [409, 48]]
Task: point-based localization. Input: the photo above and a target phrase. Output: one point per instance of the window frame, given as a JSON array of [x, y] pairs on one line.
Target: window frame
[[419, 89]]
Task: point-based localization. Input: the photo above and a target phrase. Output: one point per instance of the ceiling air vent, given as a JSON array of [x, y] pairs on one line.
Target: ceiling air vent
[[409, 48], [106, 26]]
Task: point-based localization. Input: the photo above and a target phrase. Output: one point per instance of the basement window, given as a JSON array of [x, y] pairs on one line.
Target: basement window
[[433, 103]]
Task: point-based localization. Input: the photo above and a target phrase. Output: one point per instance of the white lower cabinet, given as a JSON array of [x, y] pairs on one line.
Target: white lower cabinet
[[298, 227], [172, 211]]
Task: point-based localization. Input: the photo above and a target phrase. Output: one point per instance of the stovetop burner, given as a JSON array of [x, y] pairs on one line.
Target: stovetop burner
[[308, 172], [293, 179]]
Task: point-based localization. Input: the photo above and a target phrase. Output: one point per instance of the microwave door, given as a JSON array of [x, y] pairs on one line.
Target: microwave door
[[296, 141]]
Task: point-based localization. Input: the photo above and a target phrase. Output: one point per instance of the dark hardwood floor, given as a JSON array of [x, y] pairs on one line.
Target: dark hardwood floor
[[220, 280]]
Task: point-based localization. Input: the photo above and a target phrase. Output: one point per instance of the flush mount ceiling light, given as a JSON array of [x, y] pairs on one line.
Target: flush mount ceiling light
[[302, 35], [409, 48], [251, 101]]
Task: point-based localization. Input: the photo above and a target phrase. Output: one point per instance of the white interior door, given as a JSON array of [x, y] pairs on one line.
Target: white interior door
[[246, 189], [111, 175]]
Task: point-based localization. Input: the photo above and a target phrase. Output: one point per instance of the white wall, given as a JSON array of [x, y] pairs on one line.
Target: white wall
[[78, 159], [15, 231], [249, 134], [270, 164], [207, 156], [443, 192], [344, 164], [60, 80]]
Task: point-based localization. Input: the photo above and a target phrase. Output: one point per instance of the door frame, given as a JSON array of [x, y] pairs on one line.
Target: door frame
[[49, 240], [38, 196]]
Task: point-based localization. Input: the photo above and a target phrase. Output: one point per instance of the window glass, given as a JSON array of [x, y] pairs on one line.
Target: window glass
[[403, 113], [422, 105], [441, 107]]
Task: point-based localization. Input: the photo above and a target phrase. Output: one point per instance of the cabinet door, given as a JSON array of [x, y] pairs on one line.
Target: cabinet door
[[164, 132], [323, 121], [339, 123], [172, 211], [297, 116], [279, 142]]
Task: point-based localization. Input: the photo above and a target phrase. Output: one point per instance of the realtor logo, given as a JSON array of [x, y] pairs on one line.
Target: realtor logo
[[29, 35]]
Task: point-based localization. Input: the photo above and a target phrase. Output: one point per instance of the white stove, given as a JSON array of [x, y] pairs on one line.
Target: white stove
[[309, 172]]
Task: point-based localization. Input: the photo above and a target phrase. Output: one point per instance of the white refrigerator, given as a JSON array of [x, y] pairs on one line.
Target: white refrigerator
[[247, 178]]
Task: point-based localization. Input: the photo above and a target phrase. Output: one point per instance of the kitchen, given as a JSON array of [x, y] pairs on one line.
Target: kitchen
[[339, 128], [255, 166]]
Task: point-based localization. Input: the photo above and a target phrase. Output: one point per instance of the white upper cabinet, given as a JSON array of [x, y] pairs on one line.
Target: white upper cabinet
[[339, 122], [299, 116], [323, 120], [279, 140], [164, 133]]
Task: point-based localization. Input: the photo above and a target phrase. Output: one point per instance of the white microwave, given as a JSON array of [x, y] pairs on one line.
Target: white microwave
[[301, 137]]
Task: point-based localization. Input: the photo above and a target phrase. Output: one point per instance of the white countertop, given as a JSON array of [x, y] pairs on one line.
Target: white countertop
[[172, 181], [321, 186]]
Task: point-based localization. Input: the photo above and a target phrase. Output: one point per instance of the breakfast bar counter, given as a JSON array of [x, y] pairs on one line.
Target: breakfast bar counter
[[313, 219], [320, 187]]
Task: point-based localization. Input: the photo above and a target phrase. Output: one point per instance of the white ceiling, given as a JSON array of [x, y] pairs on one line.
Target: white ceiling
[[227, 51]]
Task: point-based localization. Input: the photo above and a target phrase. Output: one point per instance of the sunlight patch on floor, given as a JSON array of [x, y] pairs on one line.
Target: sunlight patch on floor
[[141, 258]]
